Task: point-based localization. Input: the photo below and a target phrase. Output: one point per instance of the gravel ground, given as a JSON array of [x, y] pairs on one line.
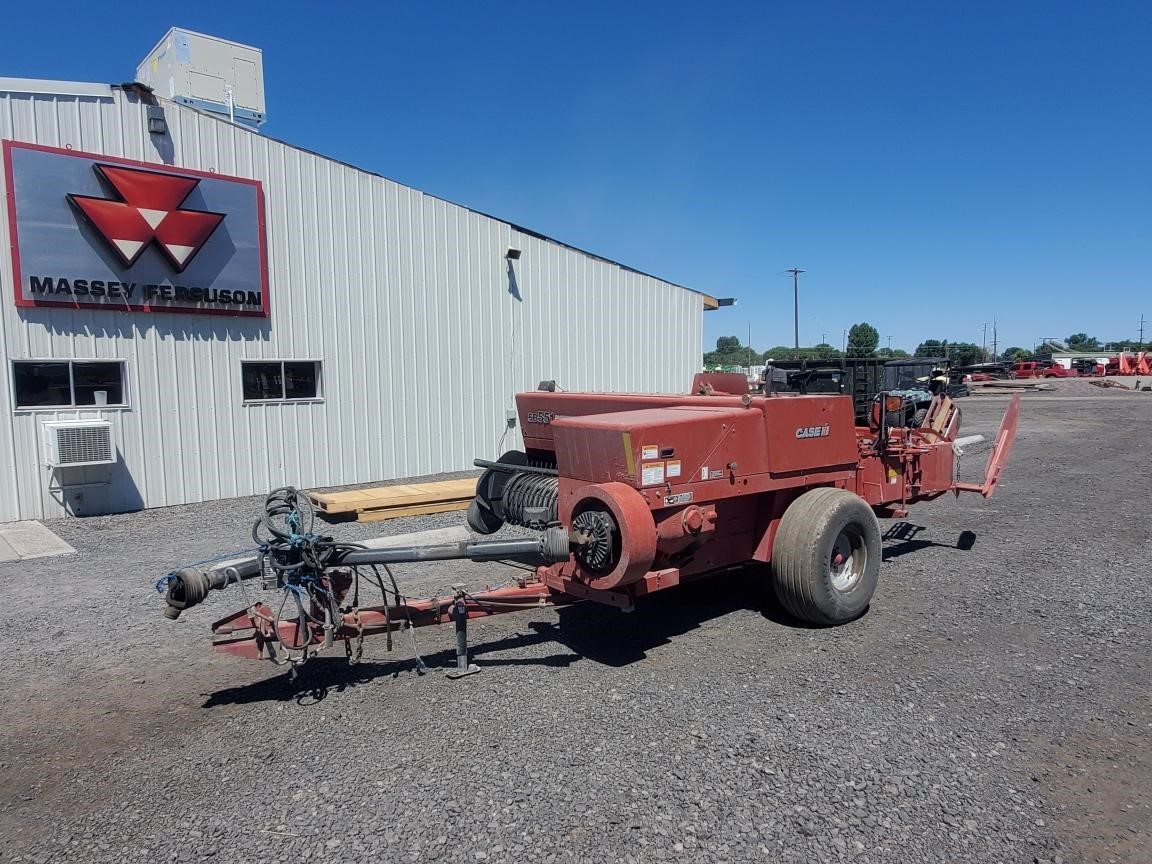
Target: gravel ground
[[993, 705], [1056, 387]]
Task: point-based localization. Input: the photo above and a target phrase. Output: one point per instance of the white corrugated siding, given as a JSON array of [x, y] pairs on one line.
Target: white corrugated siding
[[403, 297]]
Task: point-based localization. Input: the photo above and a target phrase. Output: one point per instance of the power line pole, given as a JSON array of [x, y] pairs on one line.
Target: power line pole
[[796, 271], [1141, 348], [995, 343], [749, 346]]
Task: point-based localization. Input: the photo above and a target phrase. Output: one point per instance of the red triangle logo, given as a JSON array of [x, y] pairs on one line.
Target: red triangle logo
[[146, 209]]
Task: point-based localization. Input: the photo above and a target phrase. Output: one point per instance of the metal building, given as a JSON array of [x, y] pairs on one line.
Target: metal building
[[224, 313]]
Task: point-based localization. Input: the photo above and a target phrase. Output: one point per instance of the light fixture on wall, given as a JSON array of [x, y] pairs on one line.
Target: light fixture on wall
[[157, 124], [512, 253]]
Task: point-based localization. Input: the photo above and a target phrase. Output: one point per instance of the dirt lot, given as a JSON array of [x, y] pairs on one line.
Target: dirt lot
[[994, 705]]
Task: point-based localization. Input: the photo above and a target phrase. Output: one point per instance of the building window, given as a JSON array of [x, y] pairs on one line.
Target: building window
[[280, 380], [68, 383]]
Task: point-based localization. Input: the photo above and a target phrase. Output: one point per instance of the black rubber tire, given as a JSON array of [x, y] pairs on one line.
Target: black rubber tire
[[918, 418], [802, 552]]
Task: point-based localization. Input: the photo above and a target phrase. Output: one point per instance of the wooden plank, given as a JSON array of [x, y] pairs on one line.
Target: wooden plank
[[401, 495], [408, 492], [415, 510], [386, 493]]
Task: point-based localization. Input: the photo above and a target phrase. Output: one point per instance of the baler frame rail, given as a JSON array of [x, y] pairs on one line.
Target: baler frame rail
[[255, 632]]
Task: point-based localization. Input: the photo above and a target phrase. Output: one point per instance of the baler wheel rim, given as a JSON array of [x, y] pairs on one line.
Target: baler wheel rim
[[849, 559]]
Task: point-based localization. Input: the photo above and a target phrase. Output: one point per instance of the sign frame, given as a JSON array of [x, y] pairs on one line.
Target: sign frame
[[8, 146]]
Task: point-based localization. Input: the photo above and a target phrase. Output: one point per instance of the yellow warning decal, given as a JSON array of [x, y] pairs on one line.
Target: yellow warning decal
[[629, 458]]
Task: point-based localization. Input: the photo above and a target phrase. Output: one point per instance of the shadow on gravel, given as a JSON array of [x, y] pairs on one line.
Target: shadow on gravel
[[324, 675], [614, 638], [904, 535], [588, 630]]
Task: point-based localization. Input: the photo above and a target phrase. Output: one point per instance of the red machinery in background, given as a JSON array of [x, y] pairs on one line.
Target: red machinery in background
[[1129, 364], [627, 495]]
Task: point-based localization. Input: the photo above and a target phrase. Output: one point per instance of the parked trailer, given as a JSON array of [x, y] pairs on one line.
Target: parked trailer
[[865, 377], [859, 377], [626, 495]]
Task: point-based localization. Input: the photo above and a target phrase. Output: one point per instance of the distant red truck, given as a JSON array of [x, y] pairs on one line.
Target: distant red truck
[[1042, 369], [1027, 369]]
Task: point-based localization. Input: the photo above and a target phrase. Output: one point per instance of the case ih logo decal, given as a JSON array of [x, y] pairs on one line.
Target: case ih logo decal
[[813, 431], [149, 210], [100, 232]]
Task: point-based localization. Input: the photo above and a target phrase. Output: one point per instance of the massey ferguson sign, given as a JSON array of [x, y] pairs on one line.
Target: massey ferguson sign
[[105, 233]]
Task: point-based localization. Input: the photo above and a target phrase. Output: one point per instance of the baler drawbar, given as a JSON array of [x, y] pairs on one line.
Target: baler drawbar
[[626, 495]]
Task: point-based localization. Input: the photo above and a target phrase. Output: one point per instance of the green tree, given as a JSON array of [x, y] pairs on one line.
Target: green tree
[[820, 351], [1082, 342], [1014, 354], [931, 348], [779, 352], [825, 351], [892, 353], [965, 354], [862, 340], [730, 353], [1121, 345]]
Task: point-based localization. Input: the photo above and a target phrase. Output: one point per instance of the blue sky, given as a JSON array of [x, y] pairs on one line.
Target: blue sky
[[932, 166]]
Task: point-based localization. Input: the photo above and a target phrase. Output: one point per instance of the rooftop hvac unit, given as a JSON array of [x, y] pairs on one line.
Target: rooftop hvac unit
[[209, 73], [76, 443]]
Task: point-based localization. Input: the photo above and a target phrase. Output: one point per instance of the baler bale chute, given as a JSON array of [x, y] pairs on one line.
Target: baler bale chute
[[626, 495]]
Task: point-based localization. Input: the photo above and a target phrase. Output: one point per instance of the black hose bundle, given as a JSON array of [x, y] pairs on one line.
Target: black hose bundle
[[300, 559]]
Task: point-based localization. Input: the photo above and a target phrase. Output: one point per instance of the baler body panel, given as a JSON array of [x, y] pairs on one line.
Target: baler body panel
[[790, 434], [809, 434], [655, 447], [539, 409]]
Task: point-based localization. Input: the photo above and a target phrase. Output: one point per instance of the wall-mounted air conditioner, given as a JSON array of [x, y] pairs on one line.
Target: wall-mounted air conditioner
[[76, 443]]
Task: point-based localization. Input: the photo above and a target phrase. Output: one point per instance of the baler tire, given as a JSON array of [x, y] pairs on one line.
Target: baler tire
[[810, 531], [918, 417]]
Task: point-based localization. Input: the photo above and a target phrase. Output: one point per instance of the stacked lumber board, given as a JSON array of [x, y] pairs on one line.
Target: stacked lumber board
[[392, 502]]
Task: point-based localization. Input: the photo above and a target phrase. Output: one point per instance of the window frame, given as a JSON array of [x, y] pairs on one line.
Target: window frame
[[315, 361], [124, 405]]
